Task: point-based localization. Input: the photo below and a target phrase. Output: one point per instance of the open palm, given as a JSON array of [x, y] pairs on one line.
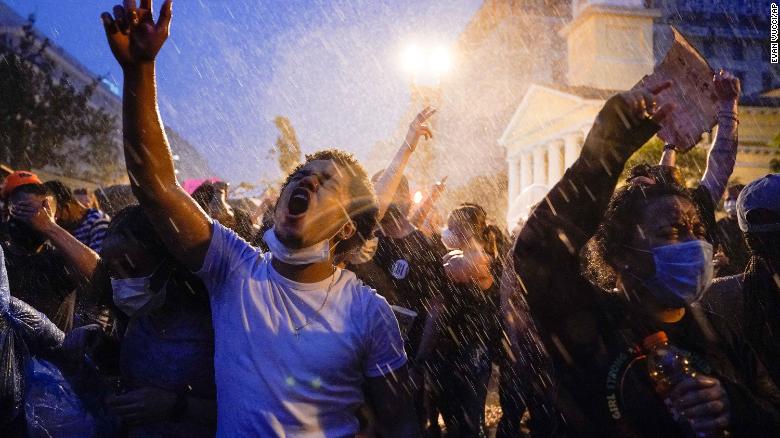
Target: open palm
[[133, 35]]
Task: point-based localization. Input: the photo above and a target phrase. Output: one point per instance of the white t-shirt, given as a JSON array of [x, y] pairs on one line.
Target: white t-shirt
[[271, 382]]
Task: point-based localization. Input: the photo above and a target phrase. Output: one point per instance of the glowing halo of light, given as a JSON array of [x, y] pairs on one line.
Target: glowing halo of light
[[426, 61], [418, 197]]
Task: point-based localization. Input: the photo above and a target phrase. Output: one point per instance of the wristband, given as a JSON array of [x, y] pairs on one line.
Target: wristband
[[668, 147]]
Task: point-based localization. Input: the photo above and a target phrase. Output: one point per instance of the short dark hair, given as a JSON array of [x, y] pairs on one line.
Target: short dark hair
[[621, 218], [363, 207], [132, 223], [61, 192], [204, 194]]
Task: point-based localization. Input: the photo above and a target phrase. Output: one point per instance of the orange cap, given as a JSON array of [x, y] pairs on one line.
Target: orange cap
[[655, 339], [16, 179]]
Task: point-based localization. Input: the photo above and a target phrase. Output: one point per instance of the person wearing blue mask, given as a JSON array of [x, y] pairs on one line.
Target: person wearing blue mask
[[628, 263]]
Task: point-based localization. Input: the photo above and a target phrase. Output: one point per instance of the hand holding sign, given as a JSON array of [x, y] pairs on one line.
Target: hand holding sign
[[692, 93]]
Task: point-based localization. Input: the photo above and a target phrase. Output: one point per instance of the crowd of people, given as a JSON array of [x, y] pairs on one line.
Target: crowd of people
[[339, 310]]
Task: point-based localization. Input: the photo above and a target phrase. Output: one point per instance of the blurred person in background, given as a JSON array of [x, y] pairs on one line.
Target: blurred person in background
[[86, 197], [468, 320], [406, 268], [733, 251], [212, 198], [88, 225], [114, 198], [38, 273], [752, 299]]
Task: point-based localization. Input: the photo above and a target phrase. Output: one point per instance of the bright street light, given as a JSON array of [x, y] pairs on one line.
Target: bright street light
[[426, 64]]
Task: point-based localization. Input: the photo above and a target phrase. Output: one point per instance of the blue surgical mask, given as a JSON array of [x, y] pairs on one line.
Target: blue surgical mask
[[683, 271]]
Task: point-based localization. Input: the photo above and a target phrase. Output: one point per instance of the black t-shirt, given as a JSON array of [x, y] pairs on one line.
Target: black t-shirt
[[42, 280], [408, 272]]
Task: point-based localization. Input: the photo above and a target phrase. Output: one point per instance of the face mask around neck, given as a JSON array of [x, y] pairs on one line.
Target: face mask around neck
[[317, 253], [683, 271]]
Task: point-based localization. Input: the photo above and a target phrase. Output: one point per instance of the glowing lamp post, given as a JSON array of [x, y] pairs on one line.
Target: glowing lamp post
[[426, 65]]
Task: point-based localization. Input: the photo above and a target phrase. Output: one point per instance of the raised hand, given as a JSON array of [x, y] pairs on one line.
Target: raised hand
[[419, 128], [642, 104], [439, 187], [727, 86], [39, 216], [133, 35]]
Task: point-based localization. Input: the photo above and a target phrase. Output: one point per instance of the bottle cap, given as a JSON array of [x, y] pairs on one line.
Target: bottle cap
[[655, 339]]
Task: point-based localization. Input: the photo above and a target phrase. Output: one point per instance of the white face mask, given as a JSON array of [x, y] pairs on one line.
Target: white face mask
[[365, 253], [450, 240], [730, 206], [135, 297], [319, 252]]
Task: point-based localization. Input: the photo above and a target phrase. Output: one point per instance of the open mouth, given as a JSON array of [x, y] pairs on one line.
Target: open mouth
[[299, 202]]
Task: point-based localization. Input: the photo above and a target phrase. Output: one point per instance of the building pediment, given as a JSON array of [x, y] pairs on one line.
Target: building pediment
[[544, 112]]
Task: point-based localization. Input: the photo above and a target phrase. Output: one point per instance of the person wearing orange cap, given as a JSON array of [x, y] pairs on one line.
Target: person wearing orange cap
[[38, 273], [16, 179]]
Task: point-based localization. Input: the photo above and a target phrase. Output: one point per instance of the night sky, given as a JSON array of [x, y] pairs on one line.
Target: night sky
[[229, 67]]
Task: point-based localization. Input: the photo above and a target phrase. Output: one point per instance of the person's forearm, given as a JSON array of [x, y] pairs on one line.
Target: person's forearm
[[387, 185], [723, 154], [581, 196], [422, 212], [148, 158], [79, 256]]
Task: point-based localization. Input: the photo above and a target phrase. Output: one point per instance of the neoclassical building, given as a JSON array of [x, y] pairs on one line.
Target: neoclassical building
[[610, 45]]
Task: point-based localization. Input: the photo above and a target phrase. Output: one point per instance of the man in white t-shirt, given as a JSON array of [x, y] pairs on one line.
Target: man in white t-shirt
[[299, 344]]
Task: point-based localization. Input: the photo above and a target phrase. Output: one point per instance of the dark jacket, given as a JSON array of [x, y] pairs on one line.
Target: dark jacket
[[599, 380]]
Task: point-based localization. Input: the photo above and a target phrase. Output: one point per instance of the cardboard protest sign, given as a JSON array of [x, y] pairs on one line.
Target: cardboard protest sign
[[692, 92]]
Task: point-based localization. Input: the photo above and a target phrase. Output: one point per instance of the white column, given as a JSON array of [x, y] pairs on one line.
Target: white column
[[554, 162], [525, 171], [540, 166], [514, 177], [572, 146]]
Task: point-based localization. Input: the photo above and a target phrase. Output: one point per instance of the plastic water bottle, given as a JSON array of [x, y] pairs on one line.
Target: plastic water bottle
[[667, 366]]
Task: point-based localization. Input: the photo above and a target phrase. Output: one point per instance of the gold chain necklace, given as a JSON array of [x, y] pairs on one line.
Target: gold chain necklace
[[307, 322]]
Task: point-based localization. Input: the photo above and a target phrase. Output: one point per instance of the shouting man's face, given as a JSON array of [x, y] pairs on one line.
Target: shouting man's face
[[311, 208]]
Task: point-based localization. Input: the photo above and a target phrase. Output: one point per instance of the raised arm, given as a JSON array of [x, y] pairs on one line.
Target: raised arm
[[41, 218], [626, 122], [421, 213], [387, 185], [135, 40], [723, 153], [562, 223]]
